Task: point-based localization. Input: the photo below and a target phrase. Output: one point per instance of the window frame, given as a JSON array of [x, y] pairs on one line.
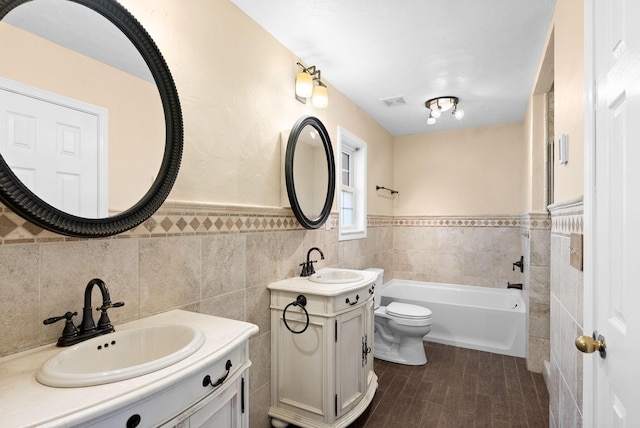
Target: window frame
[[356, 148]]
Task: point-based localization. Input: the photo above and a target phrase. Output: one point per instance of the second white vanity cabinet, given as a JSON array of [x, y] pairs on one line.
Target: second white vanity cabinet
[[322, 376]]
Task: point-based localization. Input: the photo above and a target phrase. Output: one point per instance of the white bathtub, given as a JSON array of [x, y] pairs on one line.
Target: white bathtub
[[487, 319]]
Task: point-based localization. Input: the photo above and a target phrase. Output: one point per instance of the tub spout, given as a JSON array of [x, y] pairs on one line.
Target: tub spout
[[517, 286]]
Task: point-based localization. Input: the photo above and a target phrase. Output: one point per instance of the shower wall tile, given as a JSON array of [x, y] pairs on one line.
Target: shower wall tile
[[461, 250], [539, 321], [536, 233], [566, 290]]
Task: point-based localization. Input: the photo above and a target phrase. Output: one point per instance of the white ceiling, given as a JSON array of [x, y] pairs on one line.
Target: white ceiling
[[486, 52], [81, 29]]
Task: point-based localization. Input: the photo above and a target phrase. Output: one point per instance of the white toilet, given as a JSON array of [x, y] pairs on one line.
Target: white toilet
[[399, 329]]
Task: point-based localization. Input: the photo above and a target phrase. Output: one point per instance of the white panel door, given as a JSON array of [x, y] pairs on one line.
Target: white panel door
[[56, 150], [612, 213]]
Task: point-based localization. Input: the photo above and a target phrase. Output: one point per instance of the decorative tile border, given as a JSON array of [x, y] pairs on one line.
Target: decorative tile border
[[536, 221], [458, 221], [184, 218], [567, 218]]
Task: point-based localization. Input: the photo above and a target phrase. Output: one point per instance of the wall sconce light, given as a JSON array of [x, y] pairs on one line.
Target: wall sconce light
[[439, 105], [309, 85]]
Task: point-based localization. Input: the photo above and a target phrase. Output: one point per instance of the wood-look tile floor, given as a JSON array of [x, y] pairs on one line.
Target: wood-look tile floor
[[458, 388]]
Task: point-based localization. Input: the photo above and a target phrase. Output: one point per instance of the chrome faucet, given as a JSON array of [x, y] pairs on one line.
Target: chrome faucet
[[87, 328], [307, 267]]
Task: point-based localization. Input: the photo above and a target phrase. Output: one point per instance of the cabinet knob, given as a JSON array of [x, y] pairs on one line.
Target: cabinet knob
[[134, 421]]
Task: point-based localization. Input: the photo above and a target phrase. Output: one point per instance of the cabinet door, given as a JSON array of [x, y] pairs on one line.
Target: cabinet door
[[301, 366], [350, 370], [218, 410]]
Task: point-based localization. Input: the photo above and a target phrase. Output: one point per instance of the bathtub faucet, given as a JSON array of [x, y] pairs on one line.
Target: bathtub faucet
[[307, 267], [516, 286]]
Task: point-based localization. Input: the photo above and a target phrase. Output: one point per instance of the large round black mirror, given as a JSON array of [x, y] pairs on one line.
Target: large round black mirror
[[310, 172], [112, 160]]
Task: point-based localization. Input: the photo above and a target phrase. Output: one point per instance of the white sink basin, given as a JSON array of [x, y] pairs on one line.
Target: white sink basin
[[120, 355], [335, 276]]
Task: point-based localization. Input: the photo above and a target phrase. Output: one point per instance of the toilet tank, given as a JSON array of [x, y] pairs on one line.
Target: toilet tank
[[377, 296]]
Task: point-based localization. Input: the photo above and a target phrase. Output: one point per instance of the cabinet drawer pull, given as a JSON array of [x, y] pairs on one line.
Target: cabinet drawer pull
[[207, 379], [352, 303]]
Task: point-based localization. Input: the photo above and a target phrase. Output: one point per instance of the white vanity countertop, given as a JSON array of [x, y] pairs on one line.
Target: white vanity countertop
[[300, 284], [24, 402]]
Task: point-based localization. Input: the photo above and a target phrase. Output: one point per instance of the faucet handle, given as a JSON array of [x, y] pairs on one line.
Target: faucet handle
[[109, 305], [105, 322], [70, 330]]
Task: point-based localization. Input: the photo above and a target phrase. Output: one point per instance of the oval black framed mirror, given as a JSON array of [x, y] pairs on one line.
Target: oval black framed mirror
[[166, 133], [310, 172]]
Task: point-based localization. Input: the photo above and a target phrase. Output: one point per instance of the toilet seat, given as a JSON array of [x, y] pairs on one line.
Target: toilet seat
[[405, 314], [408, 311]]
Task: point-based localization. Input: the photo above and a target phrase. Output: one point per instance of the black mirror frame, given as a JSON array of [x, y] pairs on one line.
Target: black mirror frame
[[305, 221], [17, 197]]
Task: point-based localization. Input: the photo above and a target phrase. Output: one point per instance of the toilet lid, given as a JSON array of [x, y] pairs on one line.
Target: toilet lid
[[405, 310]]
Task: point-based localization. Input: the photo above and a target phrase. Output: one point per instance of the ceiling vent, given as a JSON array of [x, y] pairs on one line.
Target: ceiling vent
[[395, 101]]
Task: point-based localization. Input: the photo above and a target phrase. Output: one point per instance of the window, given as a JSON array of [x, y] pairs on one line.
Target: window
[[352, 197]]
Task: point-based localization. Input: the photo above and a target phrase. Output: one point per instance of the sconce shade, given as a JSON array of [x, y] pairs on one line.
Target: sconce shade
[[304, 84], [320, 96]]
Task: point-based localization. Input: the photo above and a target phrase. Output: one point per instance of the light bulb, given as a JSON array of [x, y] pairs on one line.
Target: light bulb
[[320, 97], [458, 114], [431, 120], [304, 84], [435, 113]]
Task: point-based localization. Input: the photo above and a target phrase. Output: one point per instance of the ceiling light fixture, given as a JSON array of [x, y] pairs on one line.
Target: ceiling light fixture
[[309, 85], [439, 105]]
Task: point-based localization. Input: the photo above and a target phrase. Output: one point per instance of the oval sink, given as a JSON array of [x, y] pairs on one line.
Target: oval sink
[[335, 276], [120, 355]]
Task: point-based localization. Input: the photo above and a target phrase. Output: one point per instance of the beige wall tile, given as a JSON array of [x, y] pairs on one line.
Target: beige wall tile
[[223, 264], [21, 320], [68, 267], [169, 273], [230, 305]]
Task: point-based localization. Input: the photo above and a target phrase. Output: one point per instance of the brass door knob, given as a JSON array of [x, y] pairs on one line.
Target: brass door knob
[[588, 344]]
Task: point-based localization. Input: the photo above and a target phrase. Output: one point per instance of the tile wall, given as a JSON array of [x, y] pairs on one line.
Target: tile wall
[[565, 380], [460, 250], [213, 260], [536, 236], [219, 260]]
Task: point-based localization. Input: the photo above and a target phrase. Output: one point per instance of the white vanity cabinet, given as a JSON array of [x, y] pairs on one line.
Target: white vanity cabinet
[[322, 377], [209, 388]]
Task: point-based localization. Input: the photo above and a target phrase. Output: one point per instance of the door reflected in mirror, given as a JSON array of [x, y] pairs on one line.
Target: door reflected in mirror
[[83, 125]]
